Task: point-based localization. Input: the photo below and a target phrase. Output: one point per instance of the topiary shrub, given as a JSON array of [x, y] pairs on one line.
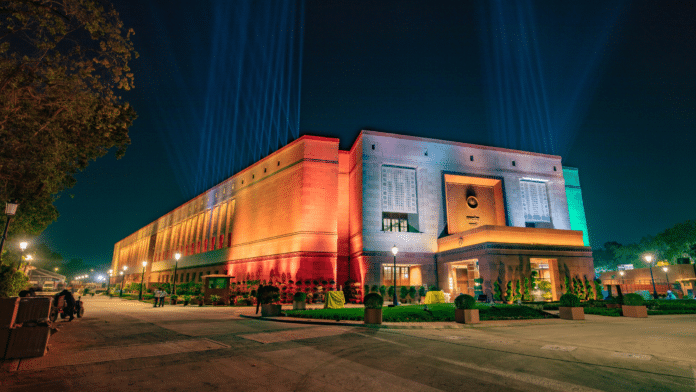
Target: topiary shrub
[[465, 301], [374, 288], [373, 301], [299, 296], [633, 299], [215, 299], [570, 301], [497, 291], [383, 290]]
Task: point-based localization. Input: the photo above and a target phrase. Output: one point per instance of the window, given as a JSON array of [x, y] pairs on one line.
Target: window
[[402, 278], [392, 221], [200, 277], [217, 283], [188, 277]]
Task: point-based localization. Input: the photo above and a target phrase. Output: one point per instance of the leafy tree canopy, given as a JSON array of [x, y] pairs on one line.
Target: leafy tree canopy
[[676, 242], [61, 65]]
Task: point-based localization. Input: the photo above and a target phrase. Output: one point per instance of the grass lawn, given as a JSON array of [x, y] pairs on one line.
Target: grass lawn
[[415, 313]]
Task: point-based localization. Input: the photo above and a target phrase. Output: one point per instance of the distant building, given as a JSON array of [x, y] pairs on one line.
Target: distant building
[[462, 216], [624, 267]]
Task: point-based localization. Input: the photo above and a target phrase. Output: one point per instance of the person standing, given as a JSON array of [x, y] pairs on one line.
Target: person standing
[[158, 293], [163, 294]]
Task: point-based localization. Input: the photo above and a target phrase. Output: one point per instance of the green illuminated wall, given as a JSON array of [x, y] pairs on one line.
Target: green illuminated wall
[[575, 207]]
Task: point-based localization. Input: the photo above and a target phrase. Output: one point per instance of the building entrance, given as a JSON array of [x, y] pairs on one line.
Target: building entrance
[[464, 277]]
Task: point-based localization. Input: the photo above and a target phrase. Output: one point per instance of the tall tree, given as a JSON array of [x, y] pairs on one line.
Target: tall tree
[[62, 63]]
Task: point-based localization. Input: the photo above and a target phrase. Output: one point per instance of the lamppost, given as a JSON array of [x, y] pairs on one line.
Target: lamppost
[[666, 277], [177, 256], [27, 259], [123, 278], [649, 258], [10, 211], [108, 284], [142, 279], [395, 250], [22, 247]]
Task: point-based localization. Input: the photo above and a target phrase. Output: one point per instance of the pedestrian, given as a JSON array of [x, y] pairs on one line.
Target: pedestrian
[[163, 294], [158, 292]]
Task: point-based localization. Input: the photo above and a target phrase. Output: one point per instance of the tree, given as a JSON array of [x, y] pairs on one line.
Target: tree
[[61, 65]]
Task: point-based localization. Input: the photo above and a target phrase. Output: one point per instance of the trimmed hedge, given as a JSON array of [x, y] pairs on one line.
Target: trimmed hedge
[[415, 313]]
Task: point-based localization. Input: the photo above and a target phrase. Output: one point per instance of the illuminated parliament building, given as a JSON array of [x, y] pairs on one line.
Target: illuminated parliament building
[[462, 216]]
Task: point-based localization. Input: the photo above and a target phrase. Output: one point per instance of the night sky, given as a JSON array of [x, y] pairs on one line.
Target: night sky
[[609, 86]]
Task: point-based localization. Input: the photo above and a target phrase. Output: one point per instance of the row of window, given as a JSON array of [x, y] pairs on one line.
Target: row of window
[[184, 277]]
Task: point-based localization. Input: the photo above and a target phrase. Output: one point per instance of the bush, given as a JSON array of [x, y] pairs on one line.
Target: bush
[[374, 289], [215, 298], [465, 301], [299, 296], [373, 301], [11, 281], [633, 300], [382, 290], [174, 297], [403, 292], [570, 300], [421, 291]]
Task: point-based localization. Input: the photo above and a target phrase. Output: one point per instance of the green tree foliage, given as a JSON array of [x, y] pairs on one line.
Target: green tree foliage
[[61, 65], [509, 295], [11, 281]]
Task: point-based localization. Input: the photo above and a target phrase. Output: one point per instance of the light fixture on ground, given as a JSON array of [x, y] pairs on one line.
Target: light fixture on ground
[[649, 259], [10, 211], [395, 250], [142, 280], [177, 256]]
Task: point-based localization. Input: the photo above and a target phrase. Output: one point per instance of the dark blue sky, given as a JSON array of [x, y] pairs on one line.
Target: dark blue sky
[[611, 87]]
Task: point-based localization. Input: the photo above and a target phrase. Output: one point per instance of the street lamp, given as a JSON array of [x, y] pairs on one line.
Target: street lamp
[[142, 279], [27, 259], [123, 278], [649, 258], [177, 256], [666, 276], [10, 211], [395, 250], [22, 247], [108, 284]]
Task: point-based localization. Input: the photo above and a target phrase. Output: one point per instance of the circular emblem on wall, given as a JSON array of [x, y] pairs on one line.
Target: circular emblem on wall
[[472, 201]]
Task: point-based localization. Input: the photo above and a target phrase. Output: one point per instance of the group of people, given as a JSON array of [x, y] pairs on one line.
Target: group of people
[[160, 295]]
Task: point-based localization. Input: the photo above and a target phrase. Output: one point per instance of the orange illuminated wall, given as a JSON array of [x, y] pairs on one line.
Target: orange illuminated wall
[[473, 202], [276, 217]]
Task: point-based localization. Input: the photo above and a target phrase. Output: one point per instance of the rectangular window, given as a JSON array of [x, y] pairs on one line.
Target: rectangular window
[[392, 221], [188, 277], [402, 276]]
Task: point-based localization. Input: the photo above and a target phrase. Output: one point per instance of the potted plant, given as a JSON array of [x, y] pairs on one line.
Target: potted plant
[[373, 308], [215, 299], [266, 296], [299, 301], [201, 299], [187, 299], [633, 306], [466, 312], [570, 308], [173, 298]]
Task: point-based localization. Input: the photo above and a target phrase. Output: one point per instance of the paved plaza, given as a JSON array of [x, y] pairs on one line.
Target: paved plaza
[[127, 345]]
